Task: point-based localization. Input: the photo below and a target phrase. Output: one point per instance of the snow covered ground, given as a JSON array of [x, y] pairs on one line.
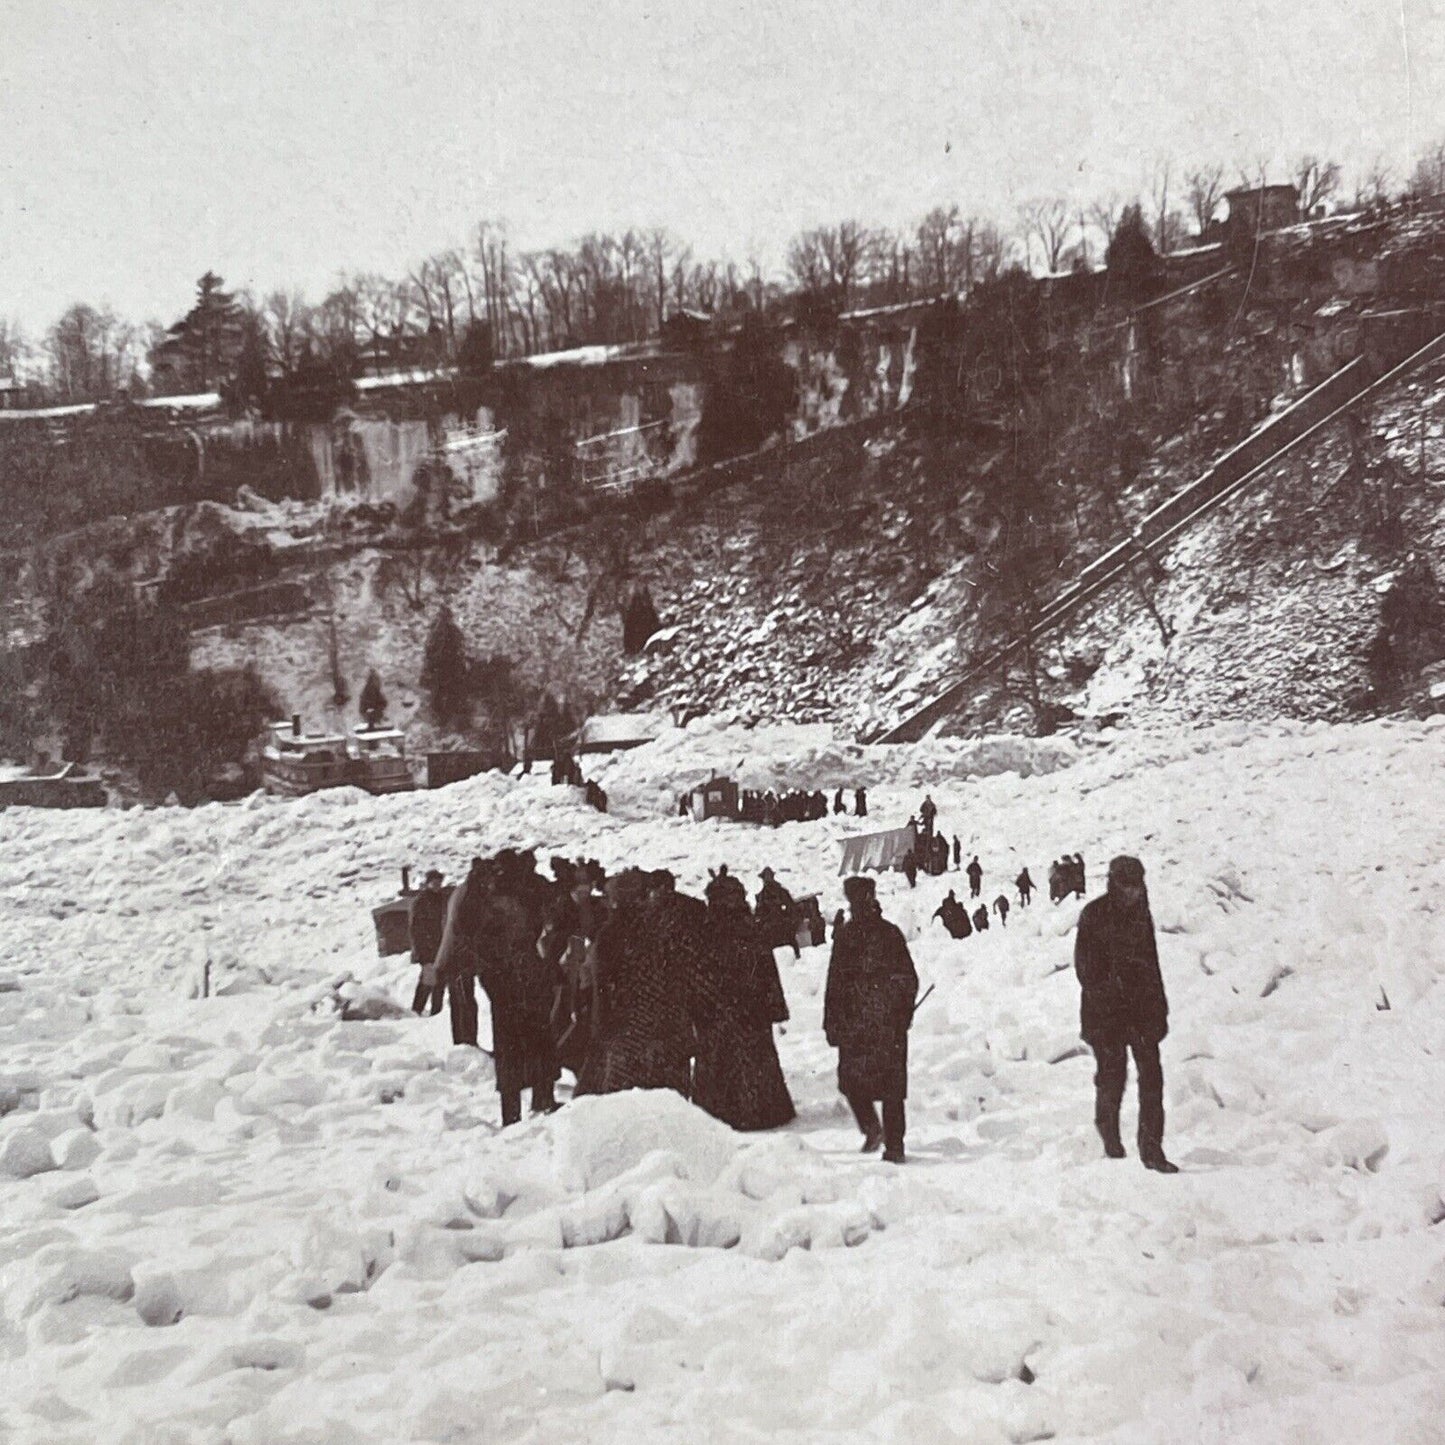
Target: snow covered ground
[[245, 1218]]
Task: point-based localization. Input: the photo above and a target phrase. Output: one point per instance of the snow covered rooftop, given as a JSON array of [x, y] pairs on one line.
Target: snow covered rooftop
[[618, 730]]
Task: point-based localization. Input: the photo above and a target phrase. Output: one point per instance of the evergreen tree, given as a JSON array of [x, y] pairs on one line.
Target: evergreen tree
[[202, 350], [445, 673], [372, 706], [1133, 264]]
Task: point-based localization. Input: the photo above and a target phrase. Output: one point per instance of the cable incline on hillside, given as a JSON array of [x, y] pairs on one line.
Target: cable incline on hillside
[[1240, 466]]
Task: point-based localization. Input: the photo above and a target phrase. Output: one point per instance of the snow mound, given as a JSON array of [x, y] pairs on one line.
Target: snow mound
[[645, 1163], [601, 1136]]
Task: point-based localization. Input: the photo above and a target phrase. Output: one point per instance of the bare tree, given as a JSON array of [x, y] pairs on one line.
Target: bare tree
[[1428, 177], [440, 287], [92, 353], [991, 250], [1104, 214], [528, 300], [1164, 218], [757, 287], [832, 256], [286, 319], [336, 327], [14, 349], [1375, 184], [497, 282], [384, 307], [1204, 188], [945, 252], [1047, 221], [660, 249], [1316, 181]]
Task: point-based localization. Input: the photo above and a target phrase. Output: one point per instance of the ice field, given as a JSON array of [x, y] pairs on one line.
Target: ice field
[[283, 1214]]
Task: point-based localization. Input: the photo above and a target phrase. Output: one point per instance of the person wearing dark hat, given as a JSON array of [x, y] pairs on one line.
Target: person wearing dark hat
[[428, 919], [776, 914], [737, 998], [1122, 1008], [489, 936], [867, 1011], [927, 812]]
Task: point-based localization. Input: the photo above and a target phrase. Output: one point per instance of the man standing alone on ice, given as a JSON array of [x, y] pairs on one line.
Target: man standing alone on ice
[[867, 1011], [1123, 1008]]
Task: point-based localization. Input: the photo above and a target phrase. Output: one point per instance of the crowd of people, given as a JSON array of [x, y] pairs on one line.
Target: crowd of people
[[1066, 877], [795, 805], [628, 983]]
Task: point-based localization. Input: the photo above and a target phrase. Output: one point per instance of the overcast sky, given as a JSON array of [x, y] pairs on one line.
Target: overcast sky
[[282, 142]]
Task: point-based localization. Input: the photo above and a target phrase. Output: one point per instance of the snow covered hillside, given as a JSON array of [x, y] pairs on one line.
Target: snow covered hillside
[[282, 1214]]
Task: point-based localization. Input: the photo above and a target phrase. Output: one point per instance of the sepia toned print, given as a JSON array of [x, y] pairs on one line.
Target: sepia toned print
[[722, 722]]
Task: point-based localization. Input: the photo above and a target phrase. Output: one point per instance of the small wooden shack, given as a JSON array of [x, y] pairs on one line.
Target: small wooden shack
[[715, 798]]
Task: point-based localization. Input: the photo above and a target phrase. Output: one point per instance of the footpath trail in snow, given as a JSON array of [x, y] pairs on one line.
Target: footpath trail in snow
[[246, 1220]]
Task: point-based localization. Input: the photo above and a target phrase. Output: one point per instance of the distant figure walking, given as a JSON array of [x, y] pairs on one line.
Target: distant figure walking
[[975, 878], [776, 913], [957, 855], [1078, 872], [860, 802], [1001, 906], [839, 806], [1122, 1008], [954, 916], [867, 1011], [910, 867], [1025, 886]]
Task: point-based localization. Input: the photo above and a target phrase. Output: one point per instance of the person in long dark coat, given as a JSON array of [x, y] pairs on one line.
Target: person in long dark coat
[[1001, 906], [737, 1077], [428, 920], [839, 806], [954, 917], [957, 854], [1123, 1009], [860, 802], [1057, 887], [776, 913], [488, 933], [927, 812], [644, 982], [980, 919], [867, 1012], [975, 877]]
